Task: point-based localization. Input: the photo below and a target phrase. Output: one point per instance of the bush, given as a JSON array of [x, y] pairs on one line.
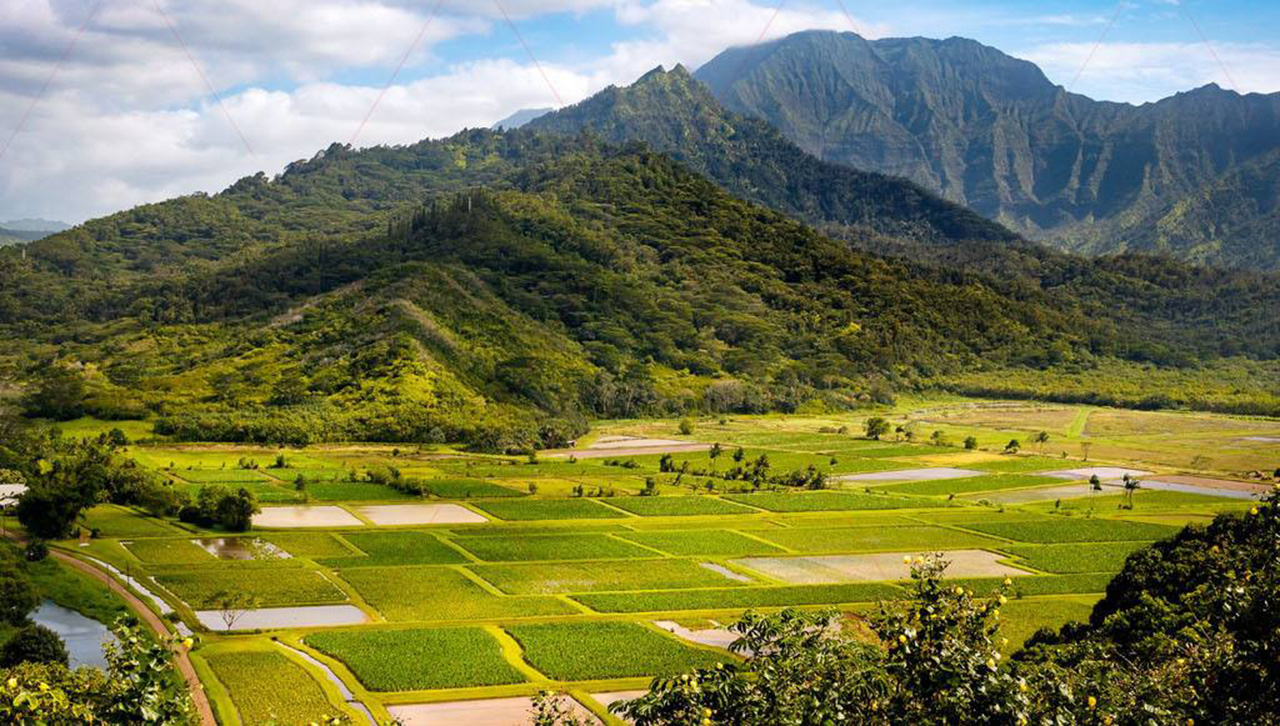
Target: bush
[[37, 550], [34, 644], [18, 596]]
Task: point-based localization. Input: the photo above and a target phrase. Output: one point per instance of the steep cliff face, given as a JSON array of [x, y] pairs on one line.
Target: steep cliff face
[[992, 132]]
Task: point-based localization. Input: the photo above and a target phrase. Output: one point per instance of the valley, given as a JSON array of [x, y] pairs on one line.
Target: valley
[[511, 575]]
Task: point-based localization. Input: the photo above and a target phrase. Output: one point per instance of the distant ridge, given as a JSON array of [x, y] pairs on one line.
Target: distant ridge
[[1192, 175], [520, 118]]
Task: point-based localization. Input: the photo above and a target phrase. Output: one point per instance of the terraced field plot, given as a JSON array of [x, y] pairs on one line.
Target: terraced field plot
[[861, 539], [540, 509], [537, 579], [200, 588], [678, 506], [552, 547], [1075, 530], [828, 501], [706, 542], [890, 566], [591, 651], [438, 593], [419, 659], [397, 548], [1070, 558], [267, 687]]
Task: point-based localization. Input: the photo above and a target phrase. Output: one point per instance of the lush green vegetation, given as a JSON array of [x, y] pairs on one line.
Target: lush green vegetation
[[587, 651], [703, 542], [1068, 558], [434, 593], [737, 599], [169, 552], [676, 506], [536, 509], [1076, 530], [267, 687], [551, 547], [857, 539], [268, 587], [600, 576], [397, 548], [827, 501], [419, 659], [972, 484]]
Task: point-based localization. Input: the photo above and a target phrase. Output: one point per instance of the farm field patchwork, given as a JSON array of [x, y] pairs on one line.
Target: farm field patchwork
[[200, 588], [742, 598], [538, 509], [552, 547], [1075, 530], [828, 501], [857, 539], [441, 593], [560, 577], [705, 542], [169, 551], [680, 506], [591, 651], [1075, 557], [989, 483], [419, 659], [396, 548]]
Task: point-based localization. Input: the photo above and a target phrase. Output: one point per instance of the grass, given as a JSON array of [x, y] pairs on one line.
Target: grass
[[538, 509], [420, 658], [707, 542], [441, 593], [552, 547], [75, 590], [827, 501], [1022, 464], [866, 539], [543, 579], [267, 687], [589, 651], [678, 506], [309, 544], [970, 484], [312, 475], [396, 548], [116, 521], [169, 552], [1075, 557], [739, 598], [272, 587], [1065, 529]]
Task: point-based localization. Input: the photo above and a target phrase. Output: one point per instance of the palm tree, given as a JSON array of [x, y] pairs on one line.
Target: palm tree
[[1042, 438], [714, 452], [1131, 485]]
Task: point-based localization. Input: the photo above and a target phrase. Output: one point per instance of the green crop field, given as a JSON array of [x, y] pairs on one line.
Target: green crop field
[[352, 491], [828, 501], [707, 542], [396, 548], [589, 651], [1076, 557], [1075, 530], [276, 587], [268, 688], [860, 539], [552, 547], [737, 599], [221, 476], [115, 521], [683, 506], [539, 509], [437, 593], [943, 487], [541, 579], [169, 551], [419, 659], [468, 489], [309, 544]]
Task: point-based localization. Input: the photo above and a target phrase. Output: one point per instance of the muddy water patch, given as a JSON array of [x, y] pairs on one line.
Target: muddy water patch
[[485, 712], [241, 548], [302, 616], [722, 570], [318, 516], [831, 569], [390, 515]]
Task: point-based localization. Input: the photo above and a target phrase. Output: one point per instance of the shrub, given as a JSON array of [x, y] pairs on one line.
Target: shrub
[[34, 644]]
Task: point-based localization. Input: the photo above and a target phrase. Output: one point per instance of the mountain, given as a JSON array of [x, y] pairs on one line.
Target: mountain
[[992, 132], [520, 118], [499, 288], [47, 226]]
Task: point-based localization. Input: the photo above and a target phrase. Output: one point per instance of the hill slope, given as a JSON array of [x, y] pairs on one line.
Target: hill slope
[[991, 132]]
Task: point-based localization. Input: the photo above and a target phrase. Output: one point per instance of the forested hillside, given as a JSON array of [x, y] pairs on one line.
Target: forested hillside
[[1185, 175], [499, 288]]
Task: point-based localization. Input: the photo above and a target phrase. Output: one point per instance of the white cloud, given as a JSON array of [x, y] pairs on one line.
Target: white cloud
[[1141, 72]]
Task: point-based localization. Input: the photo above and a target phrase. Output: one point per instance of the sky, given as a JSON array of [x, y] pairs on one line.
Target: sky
[[107, 104]]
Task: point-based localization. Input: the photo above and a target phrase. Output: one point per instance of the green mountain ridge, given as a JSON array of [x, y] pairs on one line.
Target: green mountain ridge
[[990, 131]]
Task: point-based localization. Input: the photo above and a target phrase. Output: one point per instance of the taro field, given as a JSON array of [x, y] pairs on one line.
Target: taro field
[[382, 583]]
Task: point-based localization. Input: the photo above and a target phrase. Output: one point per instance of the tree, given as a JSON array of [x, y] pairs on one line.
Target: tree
[[686, 427], [970, 443], [739, 454], [937, 438], [34, 644], [714, 453], [235, 511], [1012, 447], [1085, 446], [1131, 485], [1042, 438], [59, 394], [876, 426], [47, 513], [18, 595], [232, 606]]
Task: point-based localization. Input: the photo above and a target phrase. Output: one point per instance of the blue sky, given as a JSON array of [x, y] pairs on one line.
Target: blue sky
[[128, 119]]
